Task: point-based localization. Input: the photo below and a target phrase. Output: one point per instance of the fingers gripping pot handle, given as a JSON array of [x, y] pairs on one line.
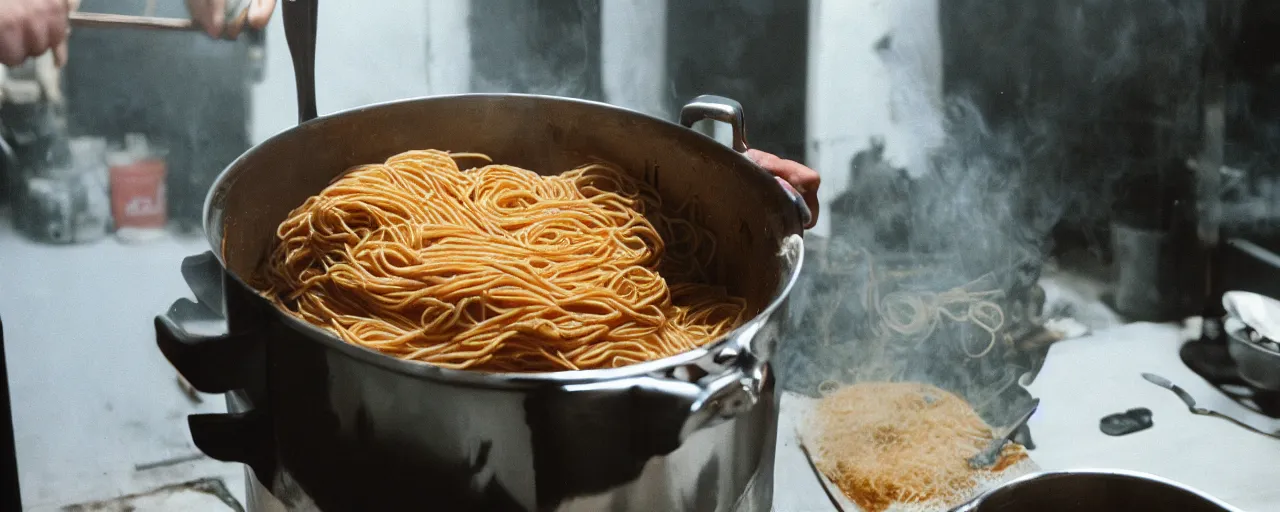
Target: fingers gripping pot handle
[[726, 110]]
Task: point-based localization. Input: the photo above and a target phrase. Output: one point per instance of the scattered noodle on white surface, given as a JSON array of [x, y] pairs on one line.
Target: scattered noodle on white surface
[[887, 447]]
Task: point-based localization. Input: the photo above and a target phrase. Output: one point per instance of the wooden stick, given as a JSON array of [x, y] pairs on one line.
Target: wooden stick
[[101, 20]]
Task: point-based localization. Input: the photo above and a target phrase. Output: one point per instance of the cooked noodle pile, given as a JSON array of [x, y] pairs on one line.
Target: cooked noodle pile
[[498, 268], [900, 443]]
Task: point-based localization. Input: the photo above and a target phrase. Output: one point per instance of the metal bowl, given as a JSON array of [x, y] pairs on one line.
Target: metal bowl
[[1094, 490], [1253, 327], [1256, 364]]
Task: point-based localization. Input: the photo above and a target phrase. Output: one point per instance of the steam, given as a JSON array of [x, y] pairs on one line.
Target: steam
[[1051, 110], [553, 52]]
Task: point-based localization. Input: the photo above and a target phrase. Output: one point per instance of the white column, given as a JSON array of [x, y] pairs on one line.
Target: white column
[[914, 64], [633, 54], [448, 46], [366, 52], [859, 89]]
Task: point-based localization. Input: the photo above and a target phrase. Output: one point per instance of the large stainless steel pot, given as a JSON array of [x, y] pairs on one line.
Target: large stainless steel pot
[[331, 426]]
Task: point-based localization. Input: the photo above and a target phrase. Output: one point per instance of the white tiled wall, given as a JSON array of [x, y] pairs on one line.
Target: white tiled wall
[[632, 55], [366, 52]]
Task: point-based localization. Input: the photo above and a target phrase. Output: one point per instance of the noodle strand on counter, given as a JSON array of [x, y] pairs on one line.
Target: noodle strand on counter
[[498, 268]]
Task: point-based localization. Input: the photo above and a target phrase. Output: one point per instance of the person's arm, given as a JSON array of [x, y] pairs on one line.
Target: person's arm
[[32, 27], [793, 175], [29, 28]]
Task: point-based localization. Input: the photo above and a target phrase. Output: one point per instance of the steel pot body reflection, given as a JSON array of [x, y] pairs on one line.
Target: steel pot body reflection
[[330, 426]]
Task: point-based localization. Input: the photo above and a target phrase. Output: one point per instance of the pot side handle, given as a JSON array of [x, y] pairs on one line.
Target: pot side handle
[[677, 408], [197, 340], [718, 108], [724, 397], [194, 335], [212, 363], [726, 110]]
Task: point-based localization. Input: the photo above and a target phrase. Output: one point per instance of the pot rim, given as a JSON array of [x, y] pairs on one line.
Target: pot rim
[[976, 502], [792, 250]]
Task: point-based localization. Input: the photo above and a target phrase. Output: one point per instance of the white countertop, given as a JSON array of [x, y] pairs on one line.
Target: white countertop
[[1087, 378], [92, 396]]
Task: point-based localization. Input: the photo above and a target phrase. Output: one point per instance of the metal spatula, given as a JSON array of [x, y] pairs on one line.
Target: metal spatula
[[991, 454]]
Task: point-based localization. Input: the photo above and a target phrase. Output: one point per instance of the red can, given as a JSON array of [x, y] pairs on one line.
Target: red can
[[138, 194]]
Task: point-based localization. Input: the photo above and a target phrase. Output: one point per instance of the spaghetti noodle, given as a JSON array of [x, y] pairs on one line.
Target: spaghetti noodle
[[915, 315], [900, 443], [497, 268]]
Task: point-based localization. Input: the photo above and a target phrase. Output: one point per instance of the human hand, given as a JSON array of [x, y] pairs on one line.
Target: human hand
[[794, 176], [29, 28], [212, 15]]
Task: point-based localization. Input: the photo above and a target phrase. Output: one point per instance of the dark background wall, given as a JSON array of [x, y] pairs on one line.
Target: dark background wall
[[1253, 117], [538, 47], [1115, 85], [755, 51], [1119, 86], [185, 91]]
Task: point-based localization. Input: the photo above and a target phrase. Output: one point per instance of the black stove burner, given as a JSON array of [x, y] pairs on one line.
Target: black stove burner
[[1240, 264]]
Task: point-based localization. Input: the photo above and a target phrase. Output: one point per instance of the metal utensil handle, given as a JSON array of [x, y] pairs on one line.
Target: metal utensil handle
[[726, 110], [300, 32], [1215, 414], [1022, 420], [990, 455]]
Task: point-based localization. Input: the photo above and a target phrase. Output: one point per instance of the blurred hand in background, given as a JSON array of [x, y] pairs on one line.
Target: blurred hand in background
[[32, 27], [226, 18], [29, 28]]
